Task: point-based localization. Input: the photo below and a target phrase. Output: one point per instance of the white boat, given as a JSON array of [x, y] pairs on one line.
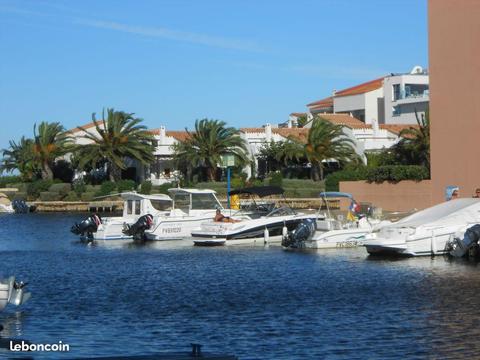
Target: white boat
[[251, 226], [426, 232], [190, 208], [12, 292], [134, 206], [334, 233]]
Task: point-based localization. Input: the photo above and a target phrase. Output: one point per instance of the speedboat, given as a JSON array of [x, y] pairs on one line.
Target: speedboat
[[335, 233], [255, 224], [12, 292], [135, 206], [426, 232], [190, 208]]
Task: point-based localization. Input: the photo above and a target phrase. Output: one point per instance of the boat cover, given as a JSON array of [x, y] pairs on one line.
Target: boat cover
[[260, 191], [465, 210], [335, 194]]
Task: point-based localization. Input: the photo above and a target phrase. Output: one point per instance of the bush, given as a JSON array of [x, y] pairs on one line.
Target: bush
[[163, 189], [87, 196], [105, 189], [237, 183], [333, 179], [19, 196], [146, 187], [62, 188], [71, 196], [36, 187], [50, 196], [396, 173], [7, 180], [276, 179], [125, 185], [79, 187]]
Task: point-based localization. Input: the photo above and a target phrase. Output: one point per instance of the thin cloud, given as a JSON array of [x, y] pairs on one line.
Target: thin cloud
[[183, 36]]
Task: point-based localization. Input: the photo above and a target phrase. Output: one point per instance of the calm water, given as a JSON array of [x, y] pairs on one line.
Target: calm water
[[255, 303]]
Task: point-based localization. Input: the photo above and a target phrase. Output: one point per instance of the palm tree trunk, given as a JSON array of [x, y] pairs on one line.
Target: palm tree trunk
[[316, 171], [211, 172], [321, 170], [115, 173], [47, 173]]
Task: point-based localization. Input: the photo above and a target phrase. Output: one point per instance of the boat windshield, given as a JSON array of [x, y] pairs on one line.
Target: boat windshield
[[204, 202], [161, 205], [281, 211]]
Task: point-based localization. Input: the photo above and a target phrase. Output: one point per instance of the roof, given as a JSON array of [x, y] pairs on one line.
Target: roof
[[327, 102], [179, 135], [191, 191], [298, 114], [134, 195], [362, 88], [298, 133], [397, 128], [345, 120], [260, 191], [86, 126]]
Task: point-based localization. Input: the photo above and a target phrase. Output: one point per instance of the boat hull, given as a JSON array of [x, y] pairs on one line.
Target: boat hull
[[337, 239]]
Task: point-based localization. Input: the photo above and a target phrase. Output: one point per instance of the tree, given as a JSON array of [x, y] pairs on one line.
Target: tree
[[268, 153], [302, 120], [19, 156], [325, 141], [50, 142], [415, 142], [120, 135], [207, 144]]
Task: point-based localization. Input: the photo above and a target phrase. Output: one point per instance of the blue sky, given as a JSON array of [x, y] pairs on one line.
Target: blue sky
[[171, 62]]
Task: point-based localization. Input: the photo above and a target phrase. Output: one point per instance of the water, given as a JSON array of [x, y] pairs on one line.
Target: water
[[256, 303]]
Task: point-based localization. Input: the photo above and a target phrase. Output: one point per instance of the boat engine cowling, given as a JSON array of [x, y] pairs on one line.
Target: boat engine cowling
[[302, 233], [468, 246], [137, 230], [87, 227]]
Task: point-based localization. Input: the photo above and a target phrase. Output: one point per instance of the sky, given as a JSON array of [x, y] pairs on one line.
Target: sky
[[246, 62]]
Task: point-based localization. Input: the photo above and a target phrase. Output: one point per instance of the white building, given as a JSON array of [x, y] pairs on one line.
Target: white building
[[391, 99]]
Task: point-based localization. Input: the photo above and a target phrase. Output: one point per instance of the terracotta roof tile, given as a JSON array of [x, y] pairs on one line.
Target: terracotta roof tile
[[362, 88], [298, 114], [86, 126], [345, 120], [397, 128], [327, 102], [179, 135]]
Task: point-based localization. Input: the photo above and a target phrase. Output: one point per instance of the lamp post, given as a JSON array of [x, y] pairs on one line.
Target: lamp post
[[228, 161]]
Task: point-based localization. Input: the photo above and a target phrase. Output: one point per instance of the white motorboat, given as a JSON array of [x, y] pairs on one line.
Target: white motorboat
[[426, 232], [253, 225], [334, 233], [12, 292], [190, 208], [135, 206]]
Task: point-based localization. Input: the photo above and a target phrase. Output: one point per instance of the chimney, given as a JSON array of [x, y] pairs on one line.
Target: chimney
[[334, 92], [163, 135], [375, 127], [268, 132]]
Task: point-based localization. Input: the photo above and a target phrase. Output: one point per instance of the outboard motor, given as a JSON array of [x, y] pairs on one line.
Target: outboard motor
[[12, 292], [303, 232], [20, 206], [137, 230], [87, 227], [468, 246]]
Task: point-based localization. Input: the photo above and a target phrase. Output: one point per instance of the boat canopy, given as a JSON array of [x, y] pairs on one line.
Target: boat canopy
[[335, 194], [137, 196], [460, 210], [260, 191], [190, 191]]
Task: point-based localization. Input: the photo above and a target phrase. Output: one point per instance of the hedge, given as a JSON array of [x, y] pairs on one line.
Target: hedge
[[87, 196], [146, 187], [8, 180], [125, 185], [50, 196], [62, 188], [333, 179], [36, 187], [396, 173], [71, 196]]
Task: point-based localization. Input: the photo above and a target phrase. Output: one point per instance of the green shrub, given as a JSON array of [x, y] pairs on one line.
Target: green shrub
[[36, 187], [18, 196], [61, 188], [79, 187], [106, 188], [71, 196], [8, 180], [396, 173], [146, 187], [125, 185], [163, 189], [333, 179], [276, 179], [237, 183], [87, 196], [50, 196]]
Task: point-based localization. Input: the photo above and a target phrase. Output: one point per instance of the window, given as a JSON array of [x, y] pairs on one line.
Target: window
[[161, 205], [204, 201], [396, 111], [396, 92], [129, 207], [138, 204], [182, 202]]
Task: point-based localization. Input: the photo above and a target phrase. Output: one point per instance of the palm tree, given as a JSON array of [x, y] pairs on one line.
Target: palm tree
[[325, 141], [50, 142], [206, 146], [118, 136], [20, 157], [416, 141]]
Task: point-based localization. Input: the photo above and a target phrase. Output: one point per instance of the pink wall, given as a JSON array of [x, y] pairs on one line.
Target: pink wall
[[402, 196]]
